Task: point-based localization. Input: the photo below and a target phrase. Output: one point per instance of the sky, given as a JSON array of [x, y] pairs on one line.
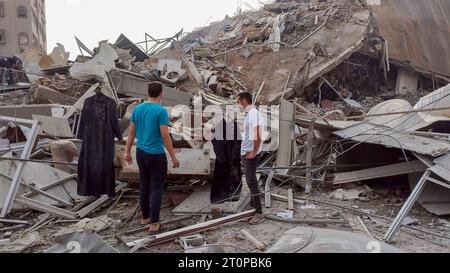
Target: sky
[[96, 20]]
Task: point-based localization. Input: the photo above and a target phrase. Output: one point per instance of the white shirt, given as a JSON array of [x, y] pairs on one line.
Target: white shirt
[[253, 119]]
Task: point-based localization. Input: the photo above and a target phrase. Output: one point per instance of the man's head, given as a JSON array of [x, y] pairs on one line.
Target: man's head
[[245, 99], [155, 90]]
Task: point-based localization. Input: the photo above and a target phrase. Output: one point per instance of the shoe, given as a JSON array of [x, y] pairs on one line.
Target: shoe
[[154, 228], [146, 221], [257, 219]]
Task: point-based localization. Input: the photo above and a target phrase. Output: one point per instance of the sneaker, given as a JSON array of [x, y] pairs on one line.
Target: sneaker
[[257, 219]]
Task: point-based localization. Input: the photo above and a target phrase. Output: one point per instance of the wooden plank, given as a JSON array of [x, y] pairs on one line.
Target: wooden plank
[[379, 172], [172, 235], [253, 240], [291, 199], [94, 205], [163, 223], [286, 199], [308, 221], [55, 198], [43, 207], [53, 126], [12, 221]]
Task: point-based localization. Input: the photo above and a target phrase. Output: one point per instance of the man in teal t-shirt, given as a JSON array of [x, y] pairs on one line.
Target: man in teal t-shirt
[[150, 124]]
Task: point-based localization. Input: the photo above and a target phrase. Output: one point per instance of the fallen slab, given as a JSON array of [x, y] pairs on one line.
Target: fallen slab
[[380, 172], [172, 235], [47, 94], [317, 240]]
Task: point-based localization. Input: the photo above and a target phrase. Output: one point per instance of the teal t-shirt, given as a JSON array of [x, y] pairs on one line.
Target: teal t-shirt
[[148, 117]]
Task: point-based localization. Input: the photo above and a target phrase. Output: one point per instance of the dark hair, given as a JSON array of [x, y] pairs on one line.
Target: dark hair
[[246, 96], [155, 89]]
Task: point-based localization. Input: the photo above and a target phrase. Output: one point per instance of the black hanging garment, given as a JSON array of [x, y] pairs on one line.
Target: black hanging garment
[[98, 126], [227, 172]]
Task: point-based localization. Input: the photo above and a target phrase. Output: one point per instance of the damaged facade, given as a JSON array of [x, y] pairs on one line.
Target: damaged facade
[[356, 133]]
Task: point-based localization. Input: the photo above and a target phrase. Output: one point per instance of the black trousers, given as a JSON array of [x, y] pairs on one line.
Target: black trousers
[[250, 167], [152, 171]]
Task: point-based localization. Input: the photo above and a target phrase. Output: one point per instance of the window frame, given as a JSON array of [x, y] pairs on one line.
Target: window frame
[[2, 9], [23, 34], [20, 9]]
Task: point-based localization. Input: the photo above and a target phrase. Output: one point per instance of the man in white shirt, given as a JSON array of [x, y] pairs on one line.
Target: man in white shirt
[[250, 150]]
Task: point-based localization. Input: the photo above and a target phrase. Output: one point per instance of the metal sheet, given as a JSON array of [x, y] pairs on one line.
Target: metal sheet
[[385, 171], [381, 135], [317, 240], [417, 32], [434, 198]]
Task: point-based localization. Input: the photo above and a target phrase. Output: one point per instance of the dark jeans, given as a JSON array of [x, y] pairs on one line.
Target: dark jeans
[[250, 167], [153, 171]]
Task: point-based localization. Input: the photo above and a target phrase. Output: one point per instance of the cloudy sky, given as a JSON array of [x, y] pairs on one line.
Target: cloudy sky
[[95, 20]]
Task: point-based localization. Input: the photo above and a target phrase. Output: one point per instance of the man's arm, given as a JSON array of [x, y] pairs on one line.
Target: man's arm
[[168, 144], [256, 144], [130, 143]]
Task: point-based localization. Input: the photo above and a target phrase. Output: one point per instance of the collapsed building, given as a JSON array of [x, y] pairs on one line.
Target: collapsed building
[[354, 94]]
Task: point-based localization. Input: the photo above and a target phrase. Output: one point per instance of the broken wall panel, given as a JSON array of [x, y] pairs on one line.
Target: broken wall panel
[[47, 94], [124, 43], [54, 127], [380, 172], [381, 135], [417, 32], [196, 162], [135, 86], [27, 111]]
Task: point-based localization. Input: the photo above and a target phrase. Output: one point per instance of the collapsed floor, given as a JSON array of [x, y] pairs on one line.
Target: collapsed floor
[[358, 145]]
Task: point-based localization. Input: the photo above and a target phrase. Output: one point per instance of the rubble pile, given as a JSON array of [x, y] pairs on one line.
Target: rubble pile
[[350, 133]]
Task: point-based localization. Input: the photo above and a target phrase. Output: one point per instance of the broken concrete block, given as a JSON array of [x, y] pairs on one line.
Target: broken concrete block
[[47, 94], [53, 126], [23, 243], [174, 76], [64, 151], [98, 224]]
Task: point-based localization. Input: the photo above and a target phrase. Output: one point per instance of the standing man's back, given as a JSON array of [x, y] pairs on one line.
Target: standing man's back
[[150, 124], [149, 117]]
